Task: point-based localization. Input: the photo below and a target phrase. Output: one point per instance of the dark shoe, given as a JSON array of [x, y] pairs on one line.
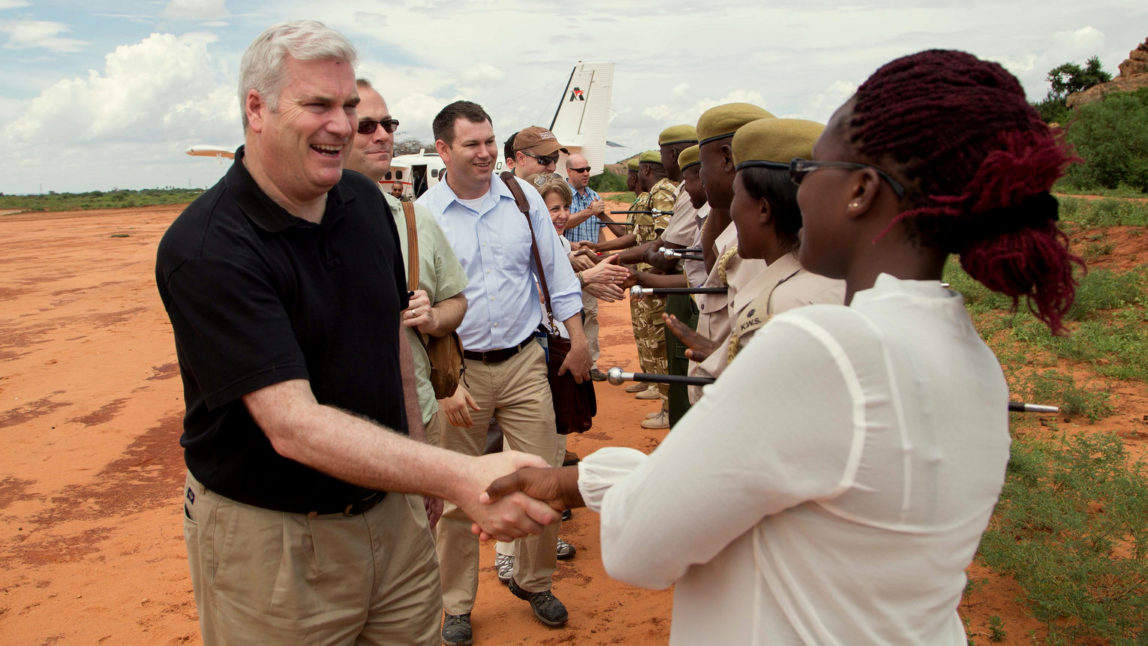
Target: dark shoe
[[456, 630], [566, 551], [570, 459], [597, 375], [567, 515], [547, 608]]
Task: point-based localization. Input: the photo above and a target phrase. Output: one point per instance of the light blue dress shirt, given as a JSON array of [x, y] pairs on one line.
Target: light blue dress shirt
[[493, 246]]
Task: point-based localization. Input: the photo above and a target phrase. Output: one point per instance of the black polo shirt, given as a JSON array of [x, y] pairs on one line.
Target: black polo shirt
[[257, 296]]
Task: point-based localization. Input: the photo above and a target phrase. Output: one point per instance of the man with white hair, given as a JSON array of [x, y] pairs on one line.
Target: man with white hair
[[285, 287]]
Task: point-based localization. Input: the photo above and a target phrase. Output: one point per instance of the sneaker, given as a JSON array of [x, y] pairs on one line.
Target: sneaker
[[653, 414], [504, 566], [566, 551], [597, 375], [456, 630], [637, 387], [661, 421], [547, 608], [649, 393]]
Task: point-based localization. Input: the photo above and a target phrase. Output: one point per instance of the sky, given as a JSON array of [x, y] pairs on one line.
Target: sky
[[98, 95]]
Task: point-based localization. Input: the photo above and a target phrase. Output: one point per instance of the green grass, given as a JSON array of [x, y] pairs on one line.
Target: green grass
[[1081, 214], [1120, 191], [1072, 528], [114, 199]]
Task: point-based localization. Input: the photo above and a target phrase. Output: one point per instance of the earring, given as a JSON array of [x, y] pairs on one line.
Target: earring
[[854, 204]]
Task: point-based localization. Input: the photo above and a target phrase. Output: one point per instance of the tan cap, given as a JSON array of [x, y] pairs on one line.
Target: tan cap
[[680, 134], [651, 157], [632, 165], [690, 157], [539, 141], [724, 120], [773, 142]]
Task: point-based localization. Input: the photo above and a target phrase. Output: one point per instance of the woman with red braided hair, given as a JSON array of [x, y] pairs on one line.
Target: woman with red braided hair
[[833, 484]]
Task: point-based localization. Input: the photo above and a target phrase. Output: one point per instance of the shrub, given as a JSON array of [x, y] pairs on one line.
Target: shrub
[[608, 182], [1112, 138]]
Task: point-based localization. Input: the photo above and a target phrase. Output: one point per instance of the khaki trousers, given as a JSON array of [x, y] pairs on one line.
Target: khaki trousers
[[590, 325], [517, 393], [271, 577]]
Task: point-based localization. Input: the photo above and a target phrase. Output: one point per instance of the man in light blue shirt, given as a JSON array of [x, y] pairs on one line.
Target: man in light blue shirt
[[505, 371], [583, 225]]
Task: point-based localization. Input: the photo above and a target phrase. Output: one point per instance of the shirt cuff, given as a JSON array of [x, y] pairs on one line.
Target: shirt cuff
[[602, 469]]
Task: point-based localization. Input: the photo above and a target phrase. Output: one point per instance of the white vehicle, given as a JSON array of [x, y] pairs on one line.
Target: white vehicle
[[579, 124]]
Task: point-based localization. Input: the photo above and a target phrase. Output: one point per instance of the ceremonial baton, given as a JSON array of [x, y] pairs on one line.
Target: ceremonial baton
[[615, 224], [638, 292], [616, 377], [654, 212], [671, 252]]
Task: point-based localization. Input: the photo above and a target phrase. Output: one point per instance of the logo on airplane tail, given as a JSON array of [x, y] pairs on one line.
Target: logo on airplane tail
[[577, 94]]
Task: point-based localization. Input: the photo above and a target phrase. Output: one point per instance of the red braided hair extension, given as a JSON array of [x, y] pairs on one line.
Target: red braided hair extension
[[980, 163]]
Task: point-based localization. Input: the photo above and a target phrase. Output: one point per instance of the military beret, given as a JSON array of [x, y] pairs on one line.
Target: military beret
[[632, 165], [651, 157], [689, 157], [680, 134], [724, 120], [773, 142]]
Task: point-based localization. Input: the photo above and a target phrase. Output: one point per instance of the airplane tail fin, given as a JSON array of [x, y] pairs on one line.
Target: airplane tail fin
[[583, 113]]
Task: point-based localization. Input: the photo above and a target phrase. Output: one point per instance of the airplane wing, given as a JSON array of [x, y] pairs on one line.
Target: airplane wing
[[211, 151]]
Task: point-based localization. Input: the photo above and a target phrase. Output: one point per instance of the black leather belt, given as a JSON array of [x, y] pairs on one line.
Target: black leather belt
[[495, 356], [360, 506]]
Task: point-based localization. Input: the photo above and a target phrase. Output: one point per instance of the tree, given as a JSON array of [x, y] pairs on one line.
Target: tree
[[411, 146], [1065, 79], [1070, 77]]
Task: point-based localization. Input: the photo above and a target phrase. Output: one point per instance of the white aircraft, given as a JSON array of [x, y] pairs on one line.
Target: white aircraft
[[579, 124]]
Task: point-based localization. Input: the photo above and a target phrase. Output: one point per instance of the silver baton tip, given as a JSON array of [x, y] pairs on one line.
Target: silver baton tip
[[637, 293], [614, 376]]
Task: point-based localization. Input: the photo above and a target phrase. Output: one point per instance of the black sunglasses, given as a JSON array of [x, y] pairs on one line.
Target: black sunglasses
[[368, 126], [799, 168], [545, 160], [585, 169]]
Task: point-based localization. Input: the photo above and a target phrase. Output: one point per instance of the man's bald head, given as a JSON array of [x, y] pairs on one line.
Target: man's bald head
[[578, 171]]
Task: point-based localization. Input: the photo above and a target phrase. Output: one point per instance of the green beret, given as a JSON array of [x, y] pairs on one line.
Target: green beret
[[681, 134], [632, 165], [773, 142], [689, 157], [651, 157], [724, 120]]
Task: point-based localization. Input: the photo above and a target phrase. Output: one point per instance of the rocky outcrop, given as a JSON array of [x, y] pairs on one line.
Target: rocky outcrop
[[1133, 76]]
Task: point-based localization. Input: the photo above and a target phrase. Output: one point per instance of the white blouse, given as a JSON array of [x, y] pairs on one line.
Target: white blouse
[[830, 488]]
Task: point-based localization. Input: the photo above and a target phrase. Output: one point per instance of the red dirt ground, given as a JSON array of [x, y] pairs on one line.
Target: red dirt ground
[[91, 539]]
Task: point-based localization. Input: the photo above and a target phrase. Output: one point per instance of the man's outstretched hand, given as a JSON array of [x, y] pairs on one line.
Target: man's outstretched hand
[[558, 487], [513, 515]]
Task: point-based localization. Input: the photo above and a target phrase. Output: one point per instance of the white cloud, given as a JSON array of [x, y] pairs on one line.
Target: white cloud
[[196, 9], [13, 4], [135, 117], [31, 34]]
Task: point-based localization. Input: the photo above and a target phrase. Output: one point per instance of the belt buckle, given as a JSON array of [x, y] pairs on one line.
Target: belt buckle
[[362, 506]]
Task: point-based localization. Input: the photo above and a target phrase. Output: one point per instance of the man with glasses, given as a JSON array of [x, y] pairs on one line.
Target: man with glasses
[[536, 151], [437, 307], [583, 225]]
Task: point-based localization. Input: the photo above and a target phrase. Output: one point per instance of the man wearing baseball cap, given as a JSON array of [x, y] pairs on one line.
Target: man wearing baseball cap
[[536, 151]]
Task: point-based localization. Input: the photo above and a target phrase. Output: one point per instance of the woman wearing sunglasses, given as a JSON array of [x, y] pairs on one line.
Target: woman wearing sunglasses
[[832, 486]]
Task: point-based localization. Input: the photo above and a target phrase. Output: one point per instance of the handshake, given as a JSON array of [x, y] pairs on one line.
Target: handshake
[[522, 495]]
